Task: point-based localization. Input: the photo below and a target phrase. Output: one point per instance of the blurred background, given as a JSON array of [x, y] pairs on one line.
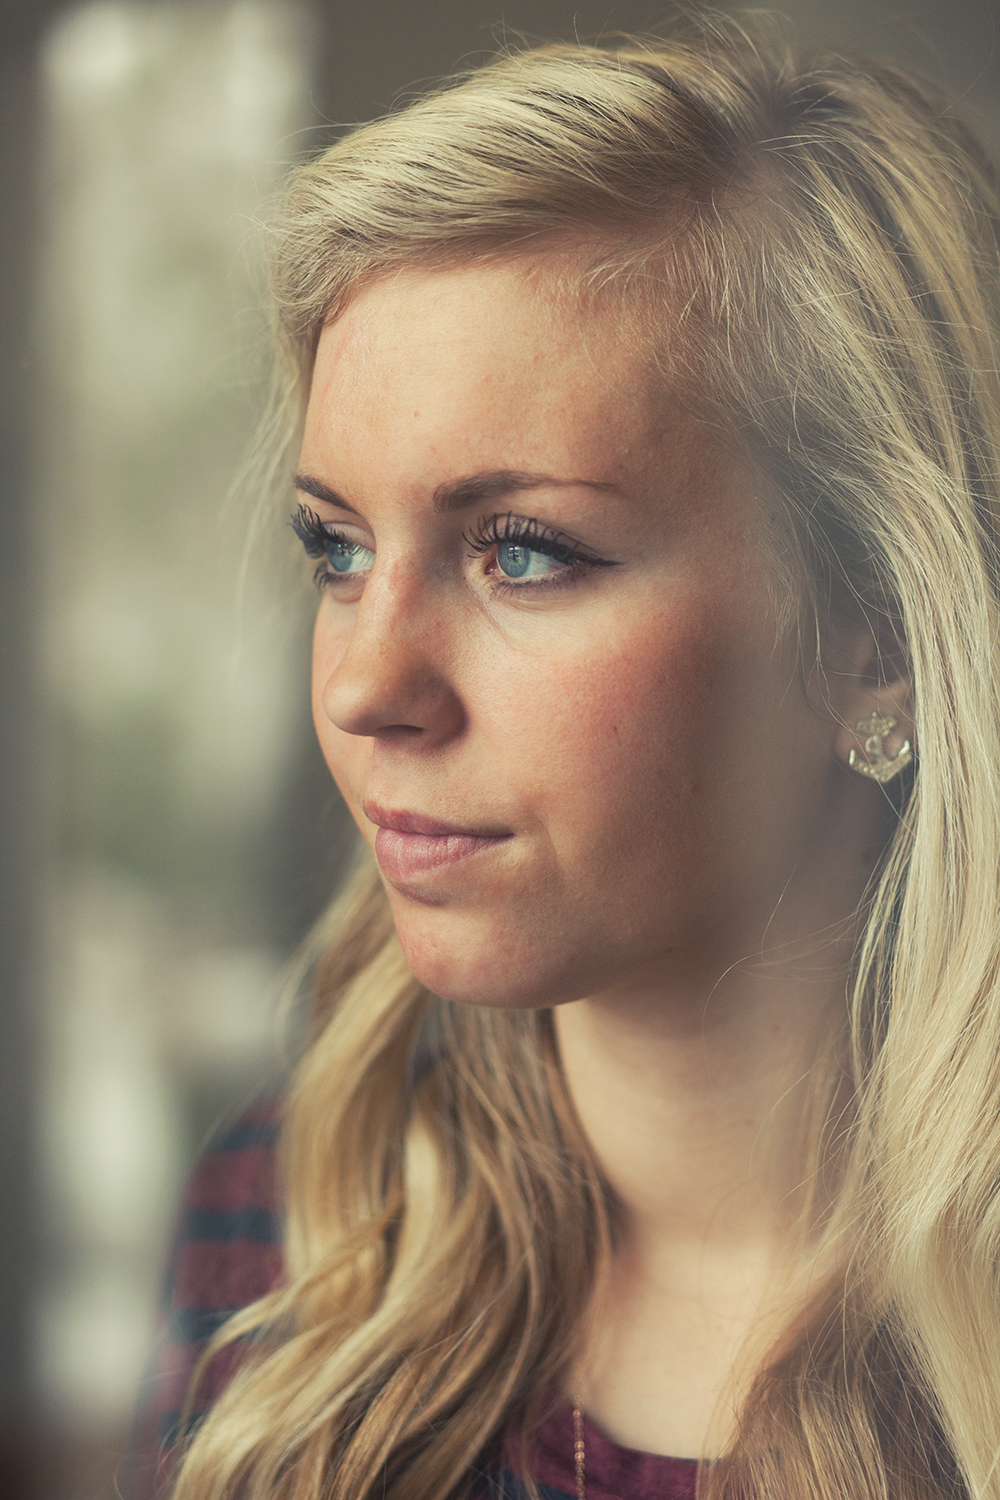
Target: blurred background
[[167, 830]]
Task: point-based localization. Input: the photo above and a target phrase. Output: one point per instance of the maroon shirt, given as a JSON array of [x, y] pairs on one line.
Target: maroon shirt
[[228, 1253], [611, 1471]]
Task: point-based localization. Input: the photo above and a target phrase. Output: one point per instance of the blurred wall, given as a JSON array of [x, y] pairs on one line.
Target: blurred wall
[[150, 947], [24, 810], [173, 663], [374, 50]]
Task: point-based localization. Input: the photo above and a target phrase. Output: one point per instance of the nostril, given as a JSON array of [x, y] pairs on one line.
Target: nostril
[[399, 732]]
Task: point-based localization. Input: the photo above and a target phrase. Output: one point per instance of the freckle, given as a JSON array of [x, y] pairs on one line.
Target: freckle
[[748, 1123]]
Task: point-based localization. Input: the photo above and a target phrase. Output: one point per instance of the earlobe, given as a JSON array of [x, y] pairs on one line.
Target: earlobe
[[876, 734], [874, 762]]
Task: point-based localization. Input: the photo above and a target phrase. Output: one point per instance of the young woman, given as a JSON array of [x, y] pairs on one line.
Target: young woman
[[648, 1136]]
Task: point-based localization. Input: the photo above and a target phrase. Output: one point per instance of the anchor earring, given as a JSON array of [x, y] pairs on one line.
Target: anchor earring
[[879, 766]]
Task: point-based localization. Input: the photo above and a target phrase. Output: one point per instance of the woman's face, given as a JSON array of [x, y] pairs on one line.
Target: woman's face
[[546, 672]]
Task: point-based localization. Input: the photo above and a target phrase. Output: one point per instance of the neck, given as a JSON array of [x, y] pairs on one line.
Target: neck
[[693, 1083], [698, 1111], [701, 1096]]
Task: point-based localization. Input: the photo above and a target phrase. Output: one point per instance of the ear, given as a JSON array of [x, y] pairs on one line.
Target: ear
[[876, 682]]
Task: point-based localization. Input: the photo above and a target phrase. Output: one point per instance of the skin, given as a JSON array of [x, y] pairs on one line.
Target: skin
[[683, 849]]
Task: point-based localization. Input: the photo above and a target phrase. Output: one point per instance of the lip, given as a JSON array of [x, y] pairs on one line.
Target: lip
[[409, 844]]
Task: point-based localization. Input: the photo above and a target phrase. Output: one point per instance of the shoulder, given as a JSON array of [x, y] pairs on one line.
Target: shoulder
[[226, 1253]]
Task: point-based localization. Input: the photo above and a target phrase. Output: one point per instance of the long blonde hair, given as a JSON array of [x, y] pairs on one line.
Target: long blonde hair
[[828, 234]]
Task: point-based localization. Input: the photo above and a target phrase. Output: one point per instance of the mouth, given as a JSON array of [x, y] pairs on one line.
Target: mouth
[[409, 845]]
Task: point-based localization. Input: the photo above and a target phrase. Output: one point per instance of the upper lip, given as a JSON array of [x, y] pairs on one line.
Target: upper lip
[[403, 821]]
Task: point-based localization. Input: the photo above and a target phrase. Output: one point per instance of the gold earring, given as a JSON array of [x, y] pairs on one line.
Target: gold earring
[[879, 766]]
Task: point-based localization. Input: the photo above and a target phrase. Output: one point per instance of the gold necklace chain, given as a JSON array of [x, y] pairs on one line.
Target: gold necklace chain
[[579, 1451]]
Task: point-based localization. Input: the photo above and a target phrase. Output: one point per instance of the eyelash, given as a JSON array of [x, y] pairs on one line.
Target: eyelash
[[521, 531], [489, 532], [316, 538]]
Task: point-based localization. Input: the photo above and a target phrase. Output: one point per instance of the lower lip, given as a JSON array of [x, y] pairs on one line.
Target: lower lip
[[402, 856]]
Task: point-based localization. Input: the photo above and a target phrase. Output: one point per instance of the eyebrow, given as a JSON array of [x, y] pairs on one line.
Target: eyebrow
[[493, 484]]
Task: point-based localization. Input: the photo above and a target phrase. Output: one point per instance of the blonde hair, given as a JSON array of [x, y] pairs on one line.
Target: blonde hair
[[828, 234]]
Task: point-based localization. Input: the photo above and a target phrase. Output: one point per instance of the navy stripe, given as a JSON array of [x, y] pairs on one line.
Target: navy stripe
[[507, 1486], [222, 1225], [246, 1134], [196, 1325]]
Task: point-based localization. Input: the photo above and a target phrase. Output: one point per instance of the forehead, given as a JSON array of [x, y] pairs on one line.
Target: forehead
[[511, 302], [487, 355]]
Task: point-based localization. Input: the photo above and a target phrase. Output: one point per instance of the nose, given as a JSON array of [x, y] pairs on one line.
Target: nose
[[391, 678]]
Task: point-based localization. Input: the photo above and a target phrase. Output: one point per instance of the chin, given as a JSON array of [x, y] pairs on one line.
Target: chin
[[476, 968], [471, 983]]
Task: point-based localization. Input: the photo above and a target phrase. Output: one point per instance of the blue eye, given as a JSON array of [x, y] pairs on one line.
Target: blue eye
[[343, 555], [517, 561], [341, 558], [526, 552]]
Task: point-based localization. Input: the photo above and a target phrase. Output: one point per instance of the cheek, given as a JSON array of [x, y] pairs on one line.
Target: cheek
[[623, 721]]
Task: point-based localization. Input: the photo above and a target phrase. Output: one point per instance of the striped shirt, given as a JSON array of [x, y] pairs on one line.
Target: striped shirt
[[226, 1254]]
